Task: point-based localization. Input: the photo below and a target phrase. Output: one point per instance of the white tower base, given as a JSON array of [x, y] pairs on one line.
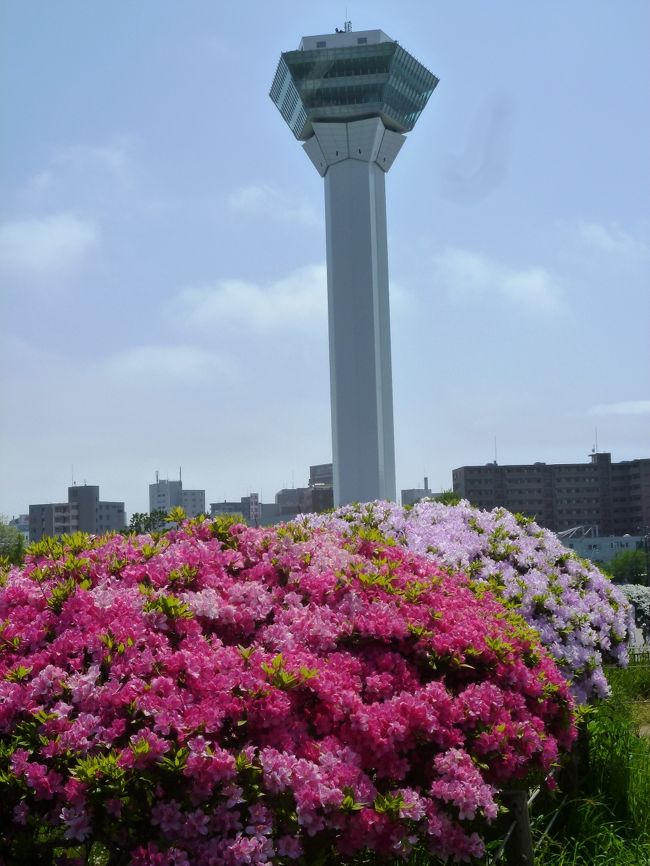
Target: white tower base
[[353, 157]]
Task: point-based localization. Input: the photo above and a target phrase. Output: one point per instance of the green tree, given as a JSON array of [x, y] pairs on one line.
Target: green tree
[[141, 522], [629, 566], [447, 497], [12, 544]]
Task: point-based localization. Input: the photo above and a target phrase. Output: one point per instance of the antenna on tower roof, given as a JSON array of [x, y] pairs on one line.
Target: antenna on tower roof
[[347, 27]]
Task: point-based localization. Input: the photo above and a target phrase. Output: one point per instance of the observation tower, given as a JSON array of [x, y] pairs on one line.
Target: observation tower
[[351, 97]]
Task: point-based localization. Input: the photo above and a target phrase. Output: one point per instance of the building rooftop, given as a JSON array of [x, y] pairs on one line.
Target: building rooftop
[[343, 39]]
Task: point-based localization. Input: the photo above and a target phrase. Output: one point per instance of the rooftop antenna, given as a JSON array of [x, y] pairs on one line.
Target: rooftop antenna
[[180, 473], [347, 27], [72, 473], [156, 476], [495, 450], [596, 446]]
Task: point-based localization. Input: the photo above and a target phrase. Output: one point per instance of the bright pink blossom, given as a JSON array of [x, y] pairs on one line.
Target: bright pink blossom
[[244, 696]]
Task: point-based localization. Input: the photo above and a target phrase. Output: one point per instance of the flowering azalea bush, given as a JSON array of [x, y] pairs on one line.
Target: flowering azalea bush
[[582, 618], [220, 695], [639, 598]]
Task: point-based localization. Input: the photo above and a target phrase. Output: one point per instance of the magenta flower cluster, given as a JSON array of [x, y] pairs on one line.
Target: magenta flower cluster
[[221, 695], [582, 618]]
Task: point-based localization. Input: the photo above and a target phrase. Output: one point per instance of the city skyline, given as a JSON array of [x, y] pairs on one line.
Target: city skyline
[[199, 500], [138, 331]]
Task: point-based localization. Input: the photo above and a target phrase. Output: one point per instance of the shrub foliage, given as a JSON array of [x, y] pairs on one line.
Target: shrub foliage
[[580, 615], [227, 695]]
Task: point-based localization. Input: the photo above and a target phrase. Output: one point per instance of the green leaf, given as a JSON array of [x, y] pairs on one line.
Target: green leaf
[[18, 674]]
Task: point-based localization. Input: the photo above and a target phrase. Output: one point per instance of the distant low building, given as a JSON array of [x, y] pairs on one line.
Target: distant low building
[[614, 497], [21, 523], [254, 512], [321, 475], [318, 496], [193, 502], [226, 507], [416, 494], [83, 512], [600, 549], [165, 495], [292, 501], [289, 502]]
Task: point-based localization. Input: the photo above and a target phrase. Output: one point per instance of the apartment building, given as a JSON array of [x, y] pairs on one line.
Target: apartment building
[[165, 495], [84, 512], [613, 497]]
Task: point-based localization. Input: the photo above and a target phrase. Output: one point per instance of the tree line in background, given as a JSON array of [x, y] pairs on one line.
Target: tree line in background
[[629, 566]]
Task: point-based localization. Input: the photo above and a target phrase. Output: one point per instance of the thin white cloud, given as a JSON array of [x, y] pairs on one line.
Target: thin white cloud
[[263, 200], [463, 272], [114, 158], [611, 240], [142, 366], [295, 302], [630, 407], [83, 173], [165, 364], [51, 247], [39, 184]]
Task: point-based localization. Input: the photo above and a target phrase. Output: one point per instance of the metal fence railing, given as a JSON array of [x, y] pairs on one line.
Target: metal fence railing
[[639, 655]]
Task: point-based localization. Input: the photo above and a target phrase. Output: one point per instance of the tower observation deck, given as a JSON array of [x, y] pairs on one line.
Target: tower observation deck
[[350, 97]]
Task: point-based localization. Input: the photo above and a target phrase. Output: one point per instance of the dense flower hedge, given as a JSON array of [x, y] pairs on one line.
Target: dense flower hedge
[[582, 618], [226, 695]]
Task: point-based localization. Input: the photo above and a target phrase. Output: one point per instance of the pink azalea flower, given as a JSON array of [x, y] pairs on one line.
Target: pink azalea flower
[[189, 687]]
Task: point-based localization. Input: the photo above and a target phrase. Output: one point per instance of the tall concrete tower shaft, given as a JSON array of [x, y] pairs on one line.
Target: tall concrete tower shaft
[[350, 97]]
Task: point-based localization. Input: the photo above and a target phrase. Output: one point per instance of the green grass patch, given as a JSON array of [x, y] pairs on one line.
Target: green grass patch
[[607, 819], [594, 837]]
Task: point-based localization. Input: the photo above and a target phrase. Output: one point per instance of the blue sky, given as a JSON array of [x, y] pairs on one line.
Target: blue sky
[[162, 246]]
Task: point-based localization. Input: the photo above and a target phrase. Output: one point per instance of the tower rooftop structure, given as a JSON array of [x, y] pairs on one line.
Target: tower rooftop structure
[[350, 76]]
